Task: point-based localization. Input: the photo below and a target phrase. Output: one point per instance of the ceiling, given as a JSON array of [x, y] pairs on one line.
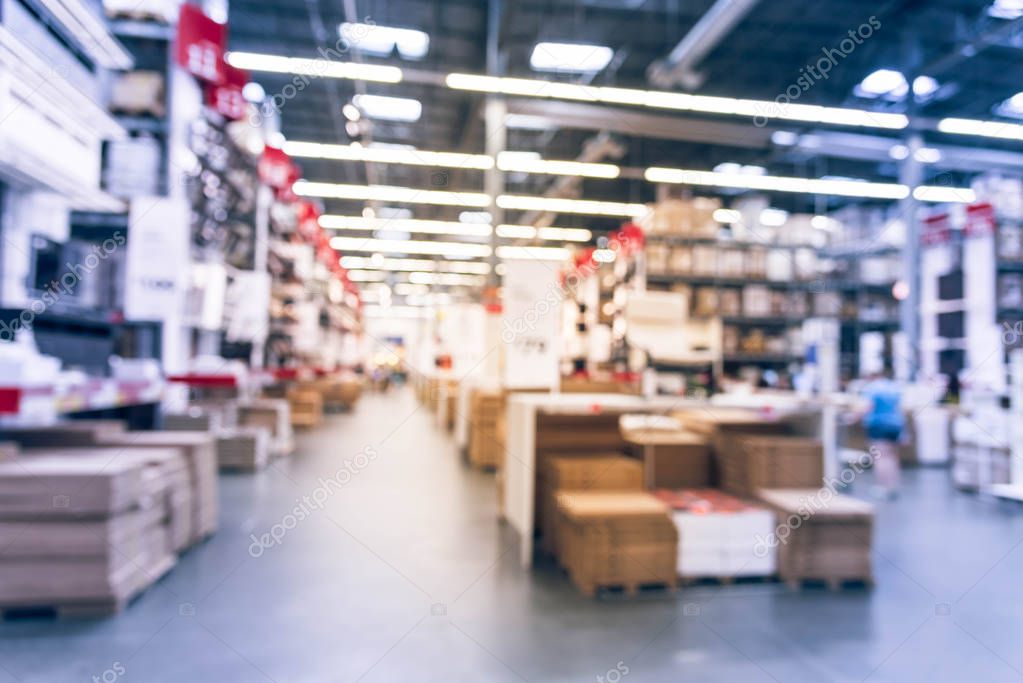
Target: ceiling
[[758, 58]]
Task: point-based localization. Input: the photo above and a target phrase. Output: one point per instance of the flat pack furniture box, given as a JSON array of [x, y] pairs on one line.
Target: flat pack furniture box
[[671, 459], [199, 451], [71, 433], [720, 536], [275, 415], [306, 408], [243, 448], [486, 447], [99, 530], [597, 472], [749, 462], [829, 535], [617, 539]]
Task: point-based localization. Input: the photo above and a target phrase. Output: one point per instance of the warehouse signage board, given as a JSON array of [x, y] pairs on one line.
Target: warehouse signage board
[[530, 321], [200, 45], [158, 259]]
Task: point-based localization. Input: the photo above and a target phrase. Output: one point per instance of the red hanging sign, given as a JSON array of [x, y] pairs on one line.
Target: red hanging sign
[[200, 45], [277, 170], [227, 98], [936, 230], [980, 220]]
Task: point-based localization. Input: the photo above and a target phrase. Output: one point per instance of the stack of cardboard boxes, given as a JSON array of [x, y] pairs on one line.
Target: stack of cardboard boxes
[[486, 409], [273, 414], [305, 407], [616, 539], [828, 536], [199, 453], [245, 449], [87, 529]]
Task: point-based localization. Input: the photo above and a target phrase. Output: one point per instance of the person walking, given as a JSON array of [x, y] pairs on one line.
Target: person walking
[[884, 423]]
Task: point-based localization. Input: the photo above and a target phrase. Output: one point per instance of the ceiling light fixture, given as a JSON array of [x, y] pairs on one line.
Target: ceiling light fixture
[[534, 253], [386, 108], [409, 264], [387, 193], [836, 187], [387, 155], [317, 68], [552, 234], [987, 129], [517, 162], [381, 41], [524, 87], [583, 206], [447, 249], [334, 222], [570, 57]]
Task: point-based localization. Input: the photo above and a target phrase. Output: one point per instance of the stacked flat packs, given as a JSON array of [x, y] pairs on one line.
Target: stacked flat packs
[[828, 536], [720, 536], [243, 448], [81, 530], [673, 458], [750, 462], [485, 409], [273, 414], [72, 433], [573, 473], [617, 539], [199, 452], [306, 408], [191, 420]]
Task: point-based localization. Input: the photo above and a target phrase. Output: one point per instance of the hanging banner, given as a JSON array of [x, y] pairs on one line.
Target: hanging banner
[[980, 220], [530, 324], [200, 45], [936, 230], [227, 98], [277, 170]]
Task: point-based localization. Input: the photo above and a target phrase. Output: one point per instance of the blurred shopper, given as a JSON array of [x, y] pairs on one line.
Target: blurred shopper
[[884, 424]]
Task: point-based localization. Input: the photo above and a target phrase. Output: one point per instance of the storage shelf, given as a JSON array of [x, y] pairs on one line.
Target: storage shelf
[[133, 28], [773, 358]]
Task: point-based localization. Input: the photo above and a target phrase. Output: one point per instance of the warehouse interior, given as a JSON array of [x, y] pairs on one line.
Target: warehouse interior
[[536, 341]]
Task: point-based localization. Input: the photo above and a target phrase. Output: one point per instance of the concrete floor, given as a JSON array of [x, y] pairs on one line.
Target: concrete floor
[[404, 574]]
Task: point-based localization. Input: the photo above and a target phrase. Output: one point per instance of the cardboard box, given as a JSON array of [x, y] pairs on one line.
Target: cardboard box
[[672, 460], [486, 444], [572, 472], [199, 452], [749, 462], [243, 448], [273, 414], [71, 433], [832, 541], [306, 408], [719, 534], [616, 539]]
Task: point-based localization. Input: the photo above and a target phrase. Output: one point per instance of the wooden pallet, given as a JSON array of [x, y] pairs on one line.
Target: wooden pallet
[[831, 584], [628, 589], [688, 581]]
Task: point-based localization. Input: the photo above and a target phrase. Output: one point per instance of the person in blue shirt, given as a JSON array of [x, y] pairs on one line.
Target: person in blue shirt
[[884, 423]]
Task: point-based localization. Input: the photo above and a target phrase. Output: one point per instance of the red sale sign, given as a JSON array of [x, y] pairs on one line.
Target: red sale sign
[[226, 98], [200, 45], [277, 170]]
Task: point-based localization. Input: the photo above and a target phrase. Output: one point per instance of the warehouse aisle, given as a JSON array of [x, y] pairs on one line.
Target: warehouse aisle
[[387, 564]]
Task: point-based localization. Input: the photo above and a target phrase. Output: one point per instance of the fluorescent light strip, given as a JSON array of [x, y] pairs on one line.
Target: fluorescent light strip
[[450, 279], [449, 249], [519, 163], [939, 195], [759, 109], [317, 68], [387, 155], [842, 188], [534, 253], [395, 312], [333, 222], [583, 206], [408, 264], [366, 276], [387, 193], [986, 129], [552, 234]]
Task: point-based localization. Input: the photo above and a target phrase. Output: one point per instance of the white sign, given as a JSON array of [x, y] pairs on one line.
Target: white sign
[[529, 326], [157, 268]]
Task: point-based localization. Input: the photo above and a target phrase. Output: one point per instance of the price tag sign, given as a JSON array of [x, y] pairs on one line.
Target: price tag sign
[[200, 44]]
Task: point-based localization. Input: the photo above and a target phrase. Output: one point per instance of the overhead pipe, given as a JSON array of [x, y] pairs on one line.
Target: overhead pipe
[[679, 67]]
